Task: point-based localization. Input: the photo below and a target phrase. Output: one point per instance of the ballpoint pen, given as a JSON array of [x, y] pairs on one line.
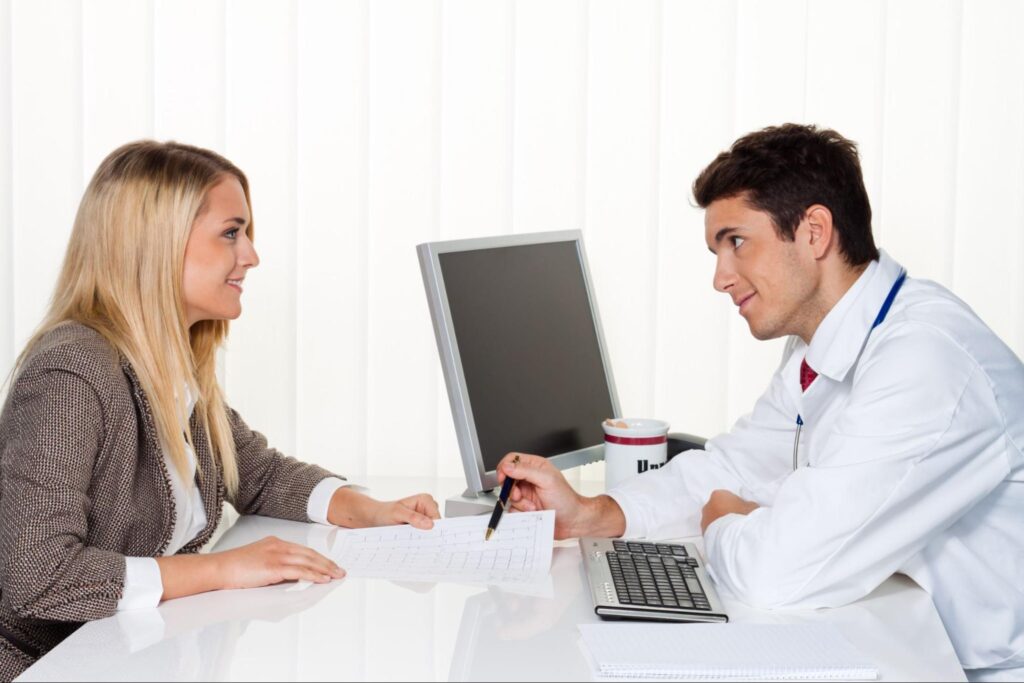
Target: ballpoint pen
[[499, 507]]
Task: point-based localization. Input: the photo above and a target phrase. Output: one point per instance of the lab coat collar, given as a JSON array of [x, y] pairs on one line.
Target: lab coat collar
[[840, 338]]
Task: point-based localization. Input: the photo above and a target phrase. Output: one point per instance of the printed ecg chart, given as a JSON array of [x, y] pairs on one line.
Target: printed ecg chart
[[454, 550]]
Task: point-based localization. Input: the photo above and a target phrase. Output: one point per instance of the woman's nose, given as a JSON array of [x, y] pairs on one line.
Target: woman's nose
[[250, 259]]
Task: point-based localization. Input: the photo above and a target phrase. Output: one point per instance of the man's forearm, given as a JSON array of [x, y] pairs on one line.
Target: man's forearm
[[602, 517]]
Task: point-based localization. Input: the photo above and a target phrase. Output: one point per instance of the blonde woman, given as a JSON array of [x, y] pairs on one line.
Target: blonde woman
[[116, 446]]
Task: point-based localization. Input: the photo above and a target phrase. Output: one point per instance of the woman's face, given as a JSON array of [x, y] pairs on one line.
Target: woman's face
[[218, 255]]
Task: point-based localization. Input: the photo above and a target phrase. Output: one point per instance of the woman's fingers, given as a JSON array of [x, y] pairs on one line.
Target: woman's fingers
[[302, 556], [406, 515], [432, 510], [424, 504], [297, 572]]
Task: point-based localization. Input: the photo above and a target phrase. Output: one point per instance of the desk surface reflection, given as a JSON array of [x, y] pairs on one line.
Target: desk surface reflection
[[368, 629]]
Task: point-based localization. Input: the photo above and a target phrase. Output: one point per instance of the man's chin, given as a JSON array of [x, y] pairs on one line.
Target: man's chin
[[762, 333]]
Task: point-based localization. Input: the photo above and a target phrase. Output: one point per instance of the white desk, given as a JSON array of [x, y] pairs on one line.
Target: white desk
[[363, 629]]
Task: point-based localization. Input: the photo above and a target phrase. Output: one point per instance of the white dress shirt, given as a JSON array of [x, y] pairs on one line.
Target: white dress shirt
[[911, 461], [143, 586]]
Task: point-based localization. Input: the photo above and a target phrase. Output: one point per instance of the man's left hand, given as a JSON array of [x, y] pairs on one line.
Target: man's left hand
[[723, 503]]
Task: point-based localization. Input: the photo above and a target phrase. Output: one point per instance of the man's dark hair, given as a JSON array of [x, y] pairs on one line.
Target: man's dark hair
[[783, 170]]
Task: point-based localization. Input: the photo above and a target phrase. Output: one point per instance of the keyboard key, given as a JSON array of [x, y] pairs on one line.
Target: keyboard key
[[635, 547], [694, 586], [664, 549], [679, 551], [650, 548]]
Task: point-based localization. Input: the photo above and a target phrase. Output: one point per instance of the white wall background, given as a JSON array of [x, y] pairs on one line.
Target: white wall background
[[368, 126]]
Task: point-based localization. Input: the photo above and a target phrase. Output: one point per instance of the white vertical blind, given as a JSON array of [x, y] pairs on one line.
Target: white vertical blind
[[46, 150], [6, 217], [403, 194], [920, 135], [117, 77], [331, 183], [369, 127], [188, 47], [988, 239]]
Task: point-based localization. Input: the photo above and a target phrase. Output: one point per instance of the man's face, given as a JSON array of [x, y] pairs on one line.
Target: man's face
[[773, 281]]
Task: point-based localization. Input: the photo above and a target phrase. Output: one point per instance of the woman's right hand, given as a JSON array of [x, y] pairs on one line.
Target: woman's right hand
[[271, 561]]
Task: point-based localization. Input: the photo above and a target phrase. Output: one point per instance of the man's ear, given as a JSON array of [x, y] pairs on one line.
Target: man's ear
[[822, 232]]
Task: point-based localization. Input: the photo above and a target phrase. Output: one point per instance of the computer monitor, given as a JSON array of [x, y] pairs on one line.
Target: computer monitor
[[521, 348]]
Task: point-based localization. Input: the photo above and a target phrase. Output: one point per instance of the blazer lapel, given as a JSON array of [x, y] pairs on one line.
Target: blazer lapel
[[152, 452], [211, 484]]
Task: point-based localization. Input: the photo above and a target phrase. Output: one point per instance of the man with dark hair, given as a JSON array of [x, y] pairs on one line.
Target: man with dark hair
[[890, 439]]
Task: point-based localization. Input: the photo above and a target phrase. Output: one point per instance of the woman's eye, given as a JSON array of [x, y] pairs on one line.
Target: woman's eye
[[232, 233]]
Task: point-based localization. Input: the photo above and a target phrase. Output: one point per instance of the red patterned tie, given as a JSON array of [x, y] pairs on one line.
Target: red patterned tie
[[807, 375]]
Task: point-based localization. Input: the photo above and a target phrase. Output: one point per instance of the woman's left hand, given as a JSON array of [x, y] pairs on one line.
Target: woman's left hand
[[352, 509]]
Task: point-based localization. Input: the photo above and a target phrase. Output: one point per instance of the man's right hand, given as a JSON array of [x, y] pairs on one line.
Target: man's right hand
[[541, 486]]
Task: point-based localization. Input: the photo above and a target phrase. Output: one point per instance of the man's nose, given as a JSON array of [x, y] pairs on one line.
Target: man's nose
[[725, 277]]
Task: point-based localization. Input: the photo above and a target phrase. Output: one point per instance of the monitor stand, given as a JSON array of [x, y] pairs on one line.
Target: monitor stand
[[470, 503]]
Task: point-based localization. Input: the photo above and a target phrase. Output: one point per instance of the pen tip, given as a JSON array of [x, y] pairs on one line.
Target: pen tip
[[487, 536]]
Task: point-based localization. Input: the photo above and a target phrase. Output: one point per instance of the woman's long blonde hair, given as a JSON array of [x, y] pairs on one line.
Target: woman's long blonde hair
[[122, 276]]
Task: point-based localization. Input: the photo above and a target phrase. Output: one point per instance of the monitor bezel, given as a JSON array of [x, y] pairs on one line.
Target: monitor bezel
[[478, 479]]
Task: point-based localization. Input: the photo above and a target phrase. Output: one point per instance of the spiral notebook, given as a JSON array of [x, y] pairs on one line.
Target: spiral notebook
[[688, 652]]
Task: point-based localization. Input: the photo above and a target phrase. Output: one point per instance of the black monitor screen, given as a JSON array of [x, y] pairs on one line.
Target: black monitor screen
[[530, 353]]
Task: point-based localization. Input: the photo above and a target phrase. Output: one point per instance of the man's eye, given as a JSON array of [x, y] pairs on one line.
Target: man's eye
[[736, 241]]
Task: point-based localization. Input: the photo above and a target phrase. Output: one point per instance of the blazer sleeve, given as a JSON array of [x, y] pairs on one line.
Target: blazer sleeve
[[269, 482], [52, 432]]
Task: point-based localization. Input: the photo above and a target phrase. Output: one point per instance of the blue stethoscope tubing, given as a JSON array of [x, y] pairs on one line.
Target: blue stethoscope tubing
[[884, 311]]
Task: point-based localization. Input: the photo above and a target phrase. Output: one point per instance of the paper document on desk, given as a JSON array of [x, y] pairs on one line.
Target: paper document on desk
[[454, 550]]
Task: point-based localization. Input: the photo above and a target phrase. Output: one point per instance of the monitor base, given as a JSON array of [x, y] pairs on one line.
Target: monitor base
[[470, 503]]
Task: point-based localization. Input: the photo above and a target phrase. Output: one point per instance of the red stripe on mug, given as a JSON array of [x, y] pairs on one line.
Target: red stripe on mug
[[636, 441]]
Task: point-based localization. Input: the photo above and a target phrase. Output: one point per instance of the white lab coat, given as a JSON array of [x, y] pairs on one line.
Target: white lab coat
[[911, 461]]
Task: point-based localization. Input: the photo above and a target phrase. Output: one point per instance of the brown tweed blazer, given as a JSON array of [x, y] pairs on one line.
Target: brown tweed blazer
[[83, 484]]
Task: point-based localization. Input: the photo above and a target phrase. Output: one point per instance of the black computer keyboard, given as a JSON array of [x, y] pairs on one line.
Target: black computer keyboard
[[656, 574], [643, 580]]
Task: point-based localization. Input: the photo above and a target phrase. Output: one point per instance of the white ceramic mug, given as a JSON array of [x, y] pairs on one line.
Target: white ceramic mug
[[640, 446]]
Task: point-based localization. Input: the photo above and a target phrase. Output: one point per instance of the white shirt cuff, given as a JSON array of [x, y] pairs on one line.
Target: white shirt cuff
[[320, 499], [633, 529], [143, 586], [713, 542]]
